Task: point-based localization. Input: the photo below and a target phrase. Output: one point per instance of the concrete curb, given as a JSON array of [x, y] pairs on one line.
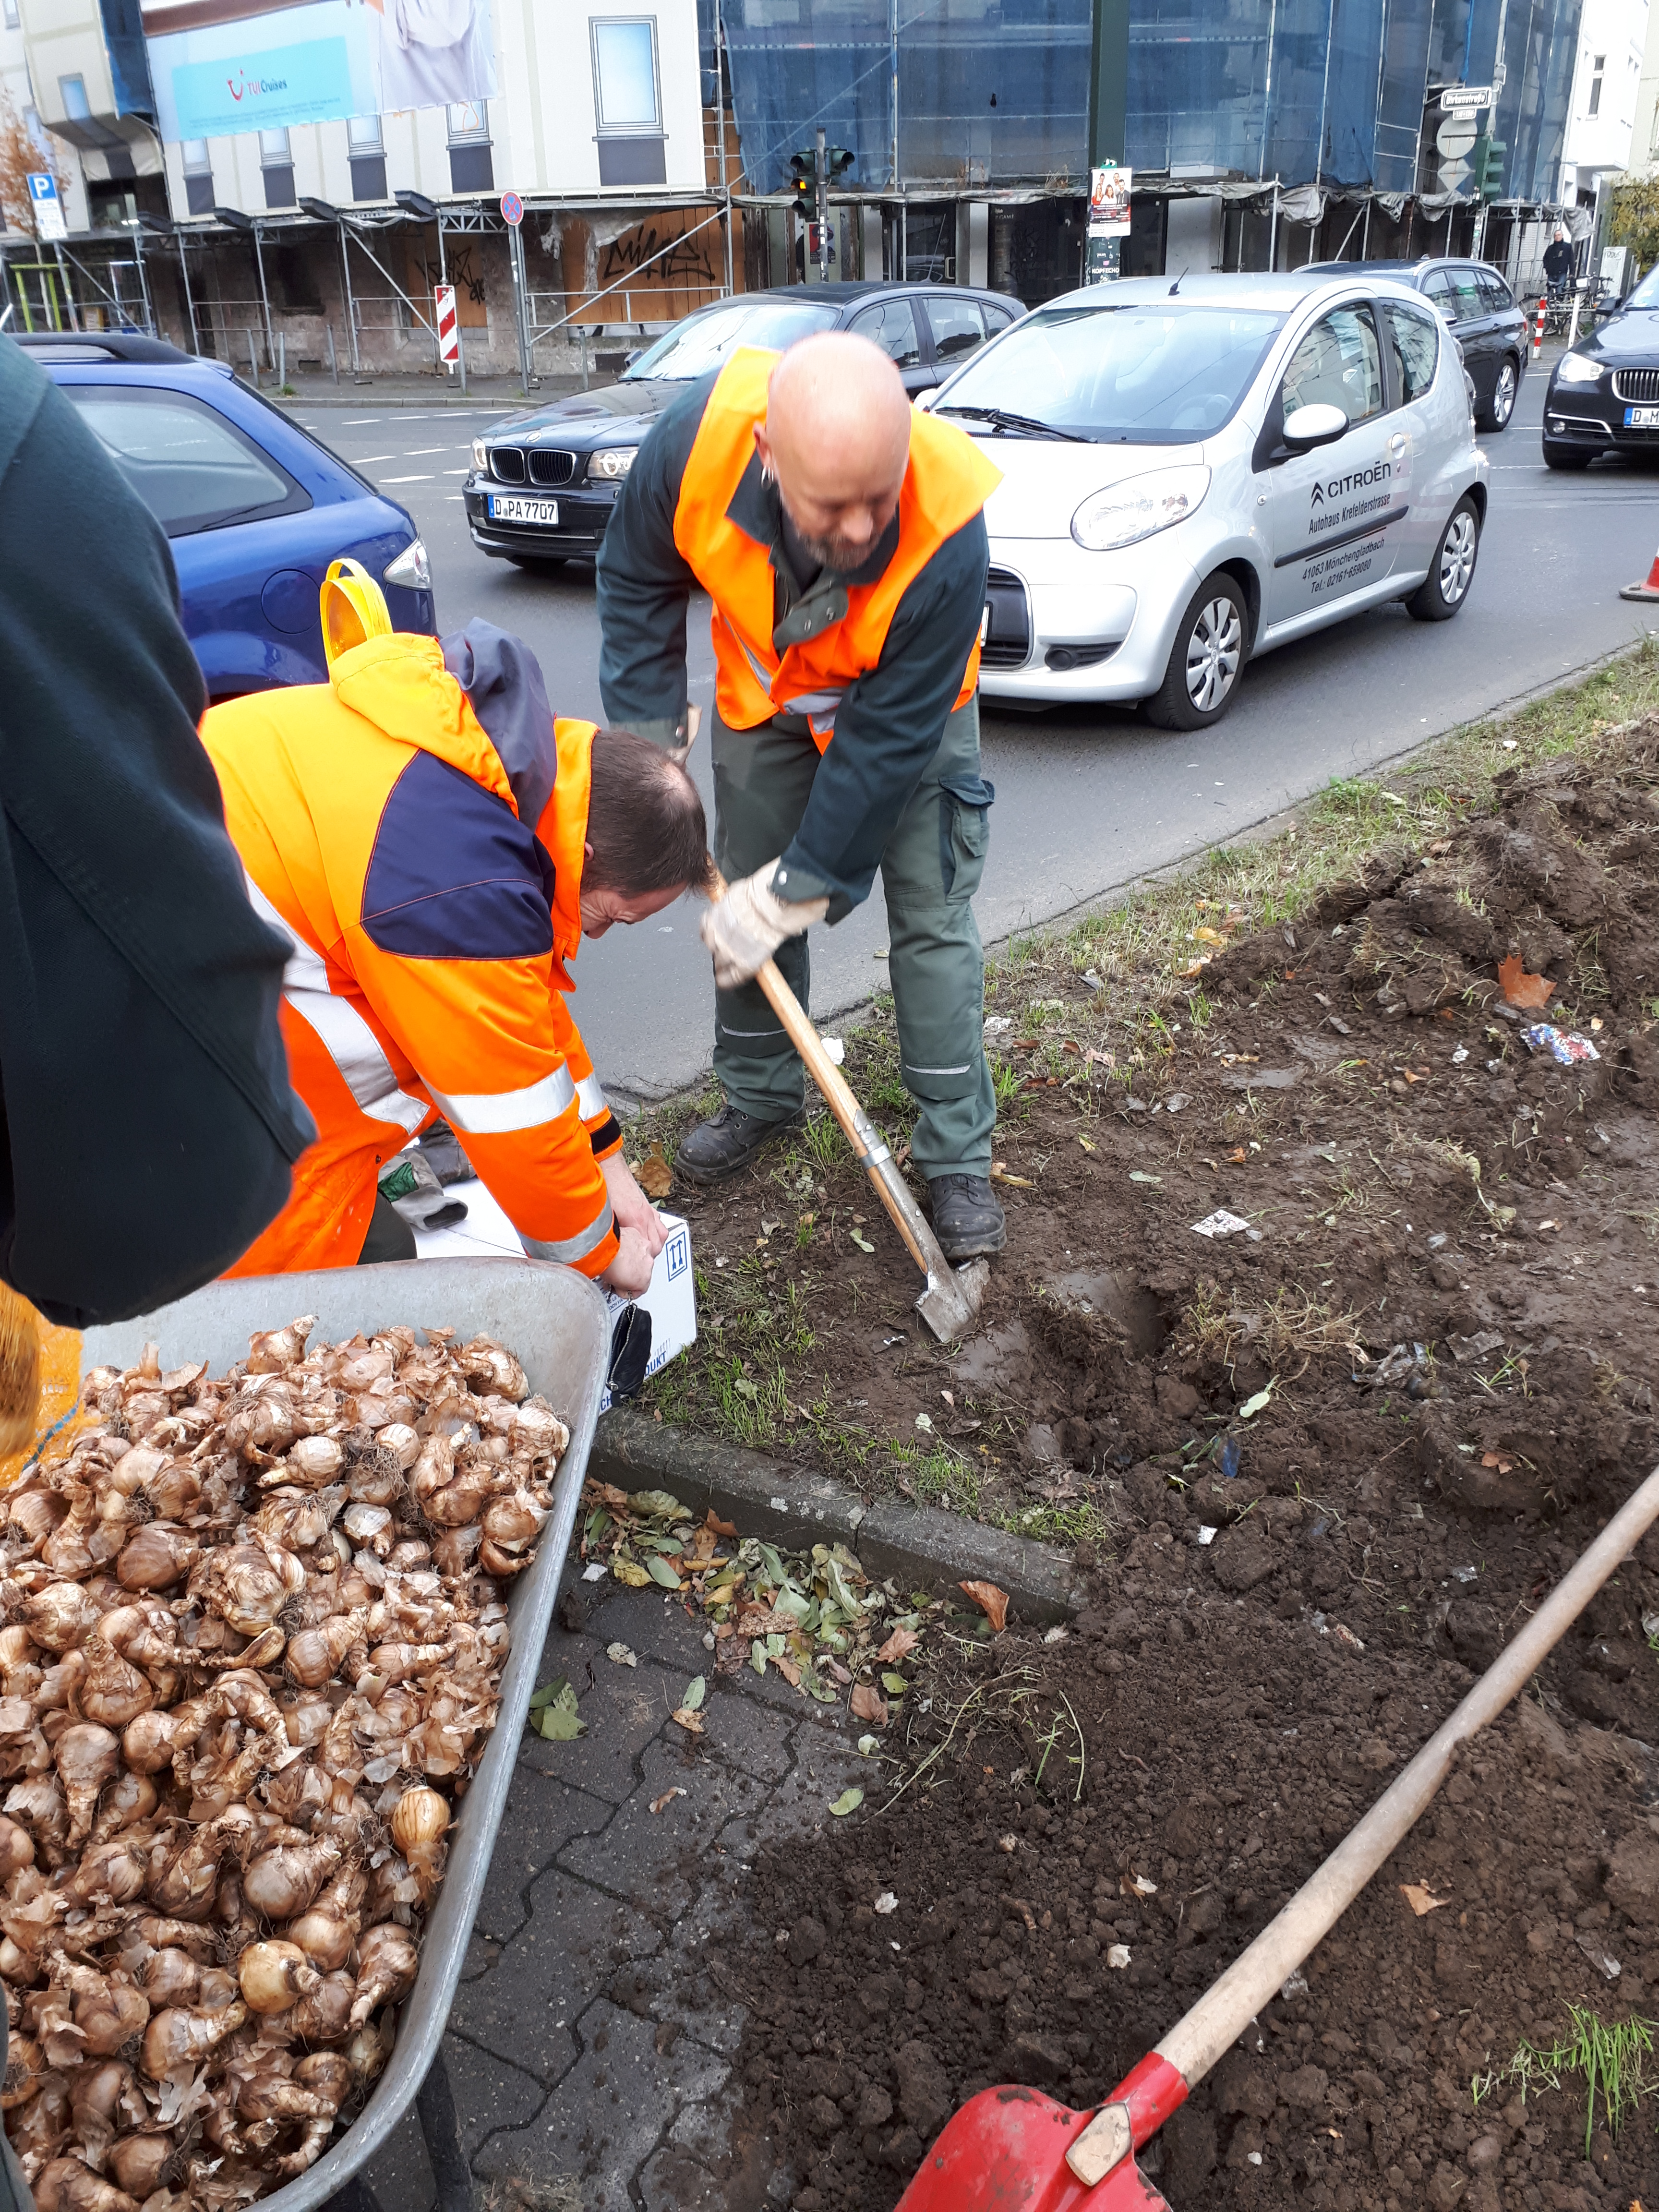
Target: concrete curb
[[796, 1506]]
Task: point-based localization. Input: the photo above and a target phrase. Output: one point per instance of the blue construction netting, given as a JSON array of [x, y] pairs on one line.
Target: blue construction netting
[[995, 92]]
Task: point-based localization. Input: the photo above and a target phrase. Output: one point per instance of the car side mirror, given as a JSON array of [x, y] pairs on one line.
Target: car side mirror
[[926, 400], [629, 359], [1318, 425]]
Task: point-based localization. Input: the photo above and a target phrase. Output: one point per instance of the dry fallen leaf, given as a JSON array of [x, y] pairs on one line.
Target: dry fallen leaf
[[999, 1173], [992, 1602], [667, 1798], [869, 1704], [1497, 1460], [1137, 1884], [690, 1721], [899, 1645], [1238, 1158], [1421, 1899], [788, 1669], [720, 1528], [1520, 988], [653, 1175], [1209, 936]]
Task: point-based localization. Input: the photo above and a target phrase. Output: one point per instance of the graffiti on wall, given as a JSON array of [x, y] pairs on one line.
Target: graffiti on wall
[[653, 254]]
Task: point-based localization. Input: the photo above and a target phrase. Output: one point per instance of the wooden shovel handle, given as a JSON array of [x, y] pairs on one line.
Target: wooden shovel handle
[[868, 1144]]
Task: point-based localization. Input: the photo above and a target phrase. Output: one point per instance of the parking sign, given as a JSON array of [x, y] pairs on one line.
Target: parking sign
[[46, 208]]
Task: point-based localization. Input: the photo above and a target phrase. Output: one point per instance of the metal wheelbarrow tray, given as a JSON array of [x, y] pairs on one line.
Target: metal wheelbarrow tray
[[554, 1320]]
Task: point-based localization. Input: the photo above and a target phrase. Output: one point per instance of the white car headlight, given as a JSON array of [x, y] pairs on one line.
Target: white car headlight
[[613, 462], [1140, 507], [411, 568], [481, 456], [1577, 368]]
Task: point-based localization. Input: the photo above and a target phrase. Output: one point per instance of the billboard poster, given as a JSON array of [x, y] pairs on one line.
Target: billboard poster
[[1109, 201], [224, 66]]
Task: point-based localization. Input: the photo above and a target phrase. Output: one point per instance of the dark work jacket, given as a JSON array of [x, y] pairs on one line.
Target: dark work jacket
[[147, 1126], [890, 720]]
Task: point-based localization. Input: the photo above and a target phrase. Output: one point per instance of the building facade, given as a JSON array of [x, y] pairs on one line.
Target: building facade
[[228, 183]]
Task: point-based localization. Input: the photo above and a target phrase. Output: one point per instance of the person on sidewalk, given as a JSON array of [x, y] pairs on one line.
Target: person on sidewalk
[[841, 537], [433, 846]]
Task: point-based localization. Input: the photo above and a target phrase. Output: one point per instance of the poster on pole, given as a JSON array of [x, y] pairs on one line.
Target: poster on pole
[[221, 67], [1109, 201]]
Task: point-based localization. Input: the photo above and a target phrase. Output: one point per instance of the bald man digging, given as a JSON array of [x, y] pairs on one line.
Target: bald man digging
[[840, 535]]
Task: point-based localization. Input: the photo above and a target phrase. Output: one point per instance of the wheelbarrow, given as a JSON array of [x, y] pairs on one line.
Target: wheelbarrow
[[555, 1320], [1014, 2150]]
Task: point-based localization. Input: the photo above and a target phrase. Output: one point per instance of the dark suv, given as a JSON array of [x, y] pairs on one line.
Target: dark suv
[[541, 487], [1490, 330]]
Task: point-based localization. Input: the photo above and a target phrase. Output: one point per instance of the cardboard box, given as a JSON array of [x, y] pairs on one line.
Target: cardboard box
[[670, 1299]]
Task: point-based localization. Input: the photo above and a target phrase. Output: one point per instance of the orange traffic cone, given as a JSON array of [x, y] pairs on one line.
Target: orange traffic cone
[[1647, 591]]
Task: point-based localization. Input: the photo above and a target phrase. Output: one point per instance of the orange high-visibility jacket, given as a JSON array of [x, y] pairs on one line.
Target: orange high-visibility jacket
[[947, 483], [421, 845]]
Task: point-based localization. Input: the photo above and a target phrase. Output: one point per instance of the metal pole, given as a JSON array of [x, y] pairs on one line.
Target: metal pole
[[350, 304], [143, 281], [516, 256], [821, 202], [252, 358], [68, 289], [190, 304], [443, 279], [720, 105], [281, 359], [265, 296], [1273, 232], [333, 365], [892, 34], [584, 339]]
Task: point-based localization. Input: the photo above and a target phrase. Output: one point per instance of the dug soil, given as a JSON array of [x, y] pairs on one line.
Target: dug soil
[[1327, 1462]]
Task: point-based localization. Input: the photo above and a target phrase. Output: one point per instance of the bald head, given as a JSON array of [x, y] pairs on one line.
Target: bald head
[[837, 438]]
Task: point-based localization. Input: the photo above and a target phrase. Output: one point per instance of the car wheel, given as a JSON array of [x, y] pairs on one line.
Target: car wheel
[[1495, 414], [1205, 660], [1452, 570], [1565, 457]]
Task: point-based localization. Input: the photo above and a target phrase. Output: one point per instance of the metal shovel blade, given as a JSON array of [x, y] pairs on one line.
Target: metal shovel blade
[[949, 1305], [1005, 2151]]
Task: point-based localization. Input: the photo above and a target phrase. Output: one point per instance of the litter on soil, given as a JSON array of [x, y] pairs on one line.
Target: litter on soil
[[814, 1617], [1316, 1472]]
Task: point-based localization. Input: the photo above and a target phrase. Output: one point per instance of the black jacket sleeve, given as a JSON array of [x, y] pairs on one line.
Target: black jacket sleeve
[[147, 1124], [643, 585], [888, 728]]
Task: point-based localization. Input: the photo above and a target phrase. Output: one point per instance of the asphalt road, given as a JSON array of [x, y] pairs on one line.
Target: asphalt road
[[1086, 798]]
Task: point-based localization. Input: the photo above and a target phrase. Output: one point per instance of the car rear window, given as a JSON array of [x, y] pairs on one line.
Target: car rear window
[[1160, 374], [192, 468]]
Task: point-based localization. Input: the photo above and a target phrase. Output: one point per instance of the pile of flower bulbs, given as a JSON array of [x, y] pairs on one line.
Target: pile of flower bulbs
[[253, 1636]]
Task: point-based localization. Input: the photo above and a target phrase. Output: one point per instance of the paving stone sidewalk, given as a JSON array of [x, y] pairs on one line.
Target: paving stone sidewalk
[[590, 2046]]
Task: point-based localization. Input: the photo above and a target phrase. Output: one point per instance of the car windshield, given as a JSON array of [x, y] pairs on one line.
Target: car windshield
[[1159, 374], [1646, 293], [702, 342]]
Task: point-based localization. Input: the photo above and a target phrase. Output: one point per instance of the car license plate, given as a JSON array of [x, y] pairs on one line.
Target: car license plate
[[506, 508], [1642, 418]]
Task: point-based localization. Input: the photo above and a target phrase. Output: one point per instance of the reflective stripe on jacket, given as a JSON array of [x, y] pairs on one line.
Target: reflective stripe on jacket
[[378, 819], [947, 484]]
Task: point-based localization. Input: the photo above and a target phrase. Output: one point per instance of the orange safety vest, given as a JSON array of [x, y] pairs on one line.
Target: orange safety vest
[[947, 484], [379, 833]]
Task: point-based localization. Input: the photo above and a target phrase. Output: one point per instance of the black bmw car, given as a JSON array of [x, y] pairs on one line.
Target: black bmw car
[[1604, 393], [541, 487]]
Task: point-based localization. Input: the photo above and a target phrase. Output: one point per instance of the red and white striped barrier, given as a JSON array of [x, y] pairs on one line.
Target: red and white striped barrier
[[449, 335], [1538, 328]]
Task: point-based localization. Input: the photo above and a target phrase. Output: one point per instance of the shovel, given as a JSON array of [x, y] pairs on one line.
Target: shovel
[[951, 1303], [1015, 2150]]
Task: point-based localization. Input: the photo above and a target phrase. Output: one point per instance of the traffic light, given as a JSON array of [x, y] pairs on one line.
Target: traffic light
[[803, 179], [1486, 159], [837, 162]]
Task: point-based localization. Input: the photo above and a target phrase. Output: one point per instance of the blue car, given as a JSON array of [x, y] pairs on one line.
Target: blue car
[[254, 507]]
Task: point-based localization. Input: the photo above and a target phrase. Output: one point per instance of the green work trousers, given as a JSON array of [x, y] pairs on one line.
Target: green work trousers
[[930, 869]]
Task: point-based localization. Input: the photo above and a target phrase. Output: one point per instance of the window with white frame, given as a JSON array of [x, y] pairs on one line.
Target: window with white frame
[[366, 151], [198, 176], [628, 99], [276, 164], [14, 21], [1597, 66], [471, 162]]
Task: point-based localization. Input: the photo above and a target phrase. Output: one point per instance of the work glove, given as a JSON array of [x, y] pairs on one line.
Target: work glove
[[745, 928]]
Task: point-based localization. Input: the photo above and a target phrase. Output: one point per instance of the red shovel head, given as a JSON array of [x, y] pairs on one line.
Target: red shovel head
[[1005, 2151]]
